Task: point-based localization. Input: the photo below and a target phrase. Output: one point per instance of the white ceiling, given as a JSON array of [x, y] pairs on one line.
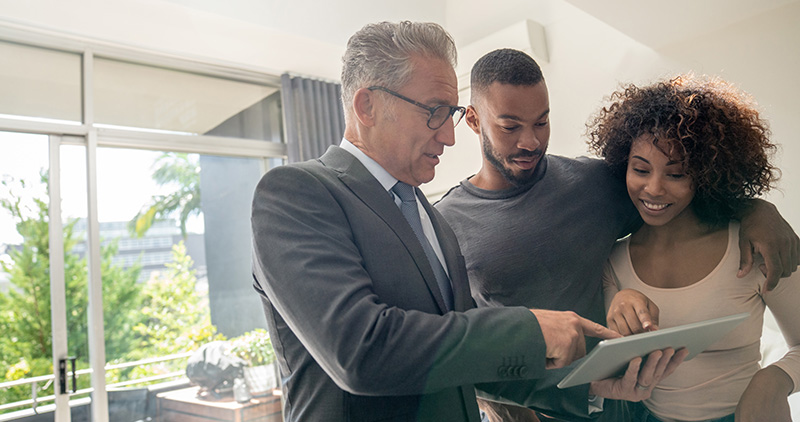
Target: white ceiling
[[329, 21], [652, 22], [658, 24]]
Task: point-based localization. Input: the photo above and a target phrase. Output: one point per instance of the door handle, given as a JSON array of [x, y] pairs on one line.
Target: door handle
[[62, 375]]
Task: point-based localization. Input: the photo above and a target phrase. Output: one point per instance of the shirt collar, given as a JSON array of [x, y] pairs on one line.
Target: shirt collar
[[386, 180]]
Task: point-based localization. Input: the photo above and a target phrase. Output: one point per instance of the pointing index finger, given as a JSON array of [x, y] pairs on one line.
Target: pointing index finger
[[593, 329]]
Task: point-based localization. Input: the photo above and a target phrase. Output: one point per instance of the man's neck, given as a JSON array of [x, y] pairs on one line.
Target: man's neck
[[488, 179]]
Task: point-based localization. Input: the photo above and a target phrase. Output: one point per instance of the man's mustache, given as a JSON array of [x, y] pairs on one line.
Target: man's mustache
[[526, 154]]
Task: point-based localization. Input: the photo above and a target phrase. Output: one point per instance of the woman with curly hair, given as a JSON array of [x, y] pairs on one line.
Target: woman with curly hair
[[692, 152]]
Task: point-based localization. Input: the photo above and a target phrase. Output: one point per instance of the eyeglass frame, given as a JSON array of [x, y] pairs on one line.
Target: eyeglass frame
[[431, 110]]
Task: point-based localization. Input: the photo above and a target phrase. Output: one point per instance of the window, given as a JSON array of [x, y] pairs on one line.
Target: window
[[159, 266]]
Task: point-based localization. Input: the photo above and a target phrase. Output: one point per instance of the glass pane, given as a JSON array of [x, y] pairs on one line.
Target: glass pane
[[39, 83], [139, 96], [175, 230], [25, 313]]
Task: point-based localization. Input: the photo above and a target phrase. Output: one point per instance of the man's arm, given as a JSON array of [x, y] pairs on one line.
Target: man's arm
[[764, 231]]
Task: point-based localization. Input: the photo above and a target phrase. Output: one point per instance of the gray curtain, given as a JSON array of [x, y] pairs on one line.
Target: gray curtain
[[313, 116]]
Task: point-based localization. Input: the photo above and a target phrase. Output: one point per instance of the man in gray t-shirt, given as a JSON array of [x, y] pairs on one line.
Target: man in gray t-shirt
[[539, 243], [535, 229]]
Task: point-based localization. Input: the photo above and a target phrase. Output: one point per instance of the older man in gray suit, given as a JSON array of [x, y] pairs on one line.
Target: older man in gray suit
[[363, 283]]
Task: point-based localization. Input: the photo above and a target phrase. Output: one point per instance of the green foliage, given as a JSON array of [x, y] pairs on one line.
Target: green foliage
[[174, 168], [176, 319], [22, 369], [162, 317], [254, 347], [122, 298], [25, 317]]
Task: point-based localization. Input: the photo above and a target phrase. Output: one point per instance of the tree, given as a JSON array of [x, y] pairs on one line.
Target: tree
[[25, 316], [180, 169]]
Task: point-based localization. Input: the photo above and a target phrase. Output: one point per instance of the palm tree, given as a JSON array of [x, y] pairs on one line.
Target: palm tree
[[173, 168]]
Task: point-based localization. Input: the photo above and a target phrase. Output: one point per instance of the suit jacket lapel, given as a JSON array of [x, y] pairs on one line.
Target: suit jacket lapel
[[361, 182]]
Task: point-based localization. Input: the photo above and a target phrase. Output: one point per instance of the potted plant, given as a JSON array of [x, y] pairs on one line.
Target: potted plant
[[255, 349]]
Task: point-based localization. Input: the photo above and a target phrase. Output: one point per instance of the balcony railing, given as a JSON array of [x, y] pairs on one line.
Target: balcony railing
[[35, 402]]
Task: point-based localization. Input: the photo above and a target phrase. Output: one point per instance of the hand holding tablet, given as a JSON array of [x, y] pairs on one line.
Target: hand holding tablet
[[610, 358]]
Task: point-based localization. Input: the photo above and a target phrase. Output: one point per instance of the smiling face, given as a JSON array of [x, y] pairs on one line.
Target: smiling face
[[657, 184], [514, 127], [403, 144]]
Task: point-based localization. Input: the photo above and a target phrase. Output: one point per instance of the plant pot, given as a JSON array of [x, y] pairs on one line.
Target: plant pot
[[260, 379]]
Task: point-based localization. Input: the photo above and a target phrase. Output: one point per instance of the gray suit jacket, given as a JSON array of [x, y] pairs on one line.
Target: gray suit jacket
[[354, 311]]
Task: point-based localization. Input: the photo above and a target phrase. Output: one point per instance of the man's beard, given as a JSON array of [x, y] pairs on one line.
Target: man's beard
[[524, 176]]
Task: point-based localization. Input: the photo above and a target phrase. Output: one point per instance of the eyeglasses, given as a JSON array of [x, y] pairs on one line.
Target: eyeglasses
[[438, 114]]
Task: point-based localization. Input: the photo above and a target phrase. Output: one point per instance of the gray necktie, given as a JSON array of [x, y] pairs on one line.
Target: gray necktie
[[408, 207]]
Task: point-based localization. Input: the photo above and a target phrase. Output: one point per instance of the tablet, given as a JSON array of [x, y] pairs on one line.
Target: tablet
[[611, 357]]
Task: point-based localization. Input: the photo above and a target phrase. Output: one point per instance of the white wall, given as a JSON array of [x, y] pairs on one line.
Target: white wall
[[761, 56]]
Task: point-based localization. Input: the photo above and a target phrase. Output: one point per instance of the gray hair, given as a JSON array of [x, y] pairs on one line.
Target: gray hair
[[380, 53]]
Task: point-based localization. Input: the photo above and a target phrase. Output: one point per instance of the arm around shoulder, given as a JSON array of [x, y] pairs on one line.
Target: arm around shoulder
[[765, 232]]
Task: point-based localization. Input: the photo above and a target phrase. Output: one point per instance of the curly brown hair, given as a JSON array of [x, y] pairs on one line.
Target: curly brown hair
[[712, 127]]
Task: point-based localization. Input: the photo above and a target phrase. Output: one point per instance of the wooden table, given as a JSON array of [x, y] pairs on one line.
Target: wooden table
[[184, 406]]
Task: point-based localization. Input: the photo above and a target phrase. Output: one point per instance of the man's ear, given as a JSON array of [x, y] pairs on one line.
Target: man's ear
[[472, 120], [364, 107]]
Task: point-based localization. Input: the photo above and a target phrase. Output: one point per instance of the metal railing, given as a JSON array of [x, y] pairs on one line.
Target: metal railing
[[35, 401]]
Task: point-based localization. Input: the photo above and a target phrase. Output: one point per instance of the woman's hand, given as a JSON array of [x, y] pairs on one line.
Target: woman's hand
[[632, 312], [766, 398], [637, 384]]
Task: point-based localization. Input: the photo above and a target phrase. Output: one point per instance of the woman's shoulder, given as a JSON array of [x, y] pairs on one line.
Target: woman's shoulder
[[619, 252]]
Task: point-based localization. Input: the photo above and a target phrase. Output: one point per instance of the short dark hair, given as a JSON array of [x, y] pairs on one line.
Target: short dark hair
[[506, 66], [711, 125]]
